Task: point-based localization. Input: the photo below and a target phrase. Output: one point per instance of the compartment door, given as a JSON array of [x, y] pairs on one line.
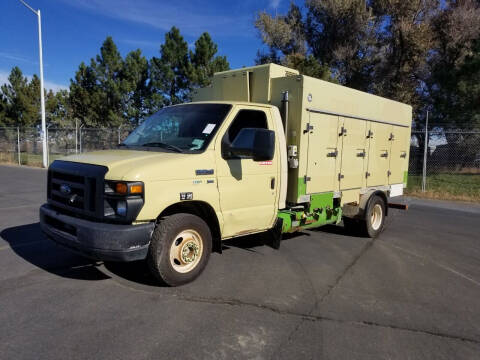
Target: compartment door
[[379, 154], [400, 144], [353, 165], [322, 153]]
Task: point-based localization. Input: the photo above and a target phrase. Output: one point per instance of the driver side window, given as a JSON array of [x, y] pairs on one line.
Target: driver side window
[[244, 119]]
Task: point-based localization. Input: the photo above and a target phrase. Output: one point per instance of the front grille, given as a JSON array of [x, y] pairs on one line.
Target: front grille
[[76, 188]]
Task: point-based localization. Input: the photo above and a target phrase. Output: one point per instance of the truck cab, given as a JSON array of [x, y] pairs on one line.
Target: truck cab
[[206, 171]]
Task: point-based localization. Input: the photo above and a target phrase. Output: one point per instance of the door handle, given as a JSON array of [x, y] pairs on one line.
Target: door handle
[[272, 183]]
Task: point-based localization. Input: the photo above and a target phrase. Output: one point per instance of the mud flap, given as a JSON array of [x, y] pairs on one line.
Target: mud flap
[[273, 237]]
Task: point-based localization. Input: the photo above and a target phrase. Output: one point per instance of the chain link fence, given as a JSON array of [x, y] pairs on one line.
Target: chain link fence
[[447, 166], [23, 146]]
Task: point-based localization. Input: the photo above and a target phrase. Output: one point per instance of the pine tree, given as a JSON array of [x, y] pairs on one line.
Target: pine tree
[[97, 94], [172, 72], [108, 68], [205, 62], [85, 97], [21, 99], [136, 87]]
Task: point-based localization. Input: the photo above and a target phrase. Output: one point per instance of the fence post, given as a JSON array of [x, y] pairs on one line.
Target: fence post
[[18, 145], [119, 134], [76, 136], [425, 149], [80, 138], [48, 146]]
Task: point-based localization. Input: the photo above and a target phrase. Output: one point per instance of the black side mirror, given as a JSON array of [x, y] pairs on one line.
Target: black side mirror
[[258, 144]]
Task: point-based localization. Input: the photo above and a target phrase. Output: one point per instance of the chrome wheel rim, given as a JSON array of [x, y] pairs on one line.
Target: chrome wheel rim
[[186, 251], [376, 217]]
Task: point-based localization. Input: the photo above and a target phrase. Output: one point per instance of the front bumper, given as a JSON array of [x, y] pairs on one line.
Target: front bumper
[[99, 241]]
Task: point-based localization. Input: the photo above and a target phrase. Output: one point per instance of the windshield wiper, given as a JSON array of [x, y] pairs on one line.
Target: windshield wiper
[[163, 145]]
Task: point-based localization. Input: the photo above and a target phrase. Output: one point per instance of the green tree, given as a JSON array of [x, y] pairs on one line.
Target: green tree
[[205, 62], [172, 72], [453, 87], [58, 110], [403, 47], [96, 92], [21, 100], [3, 109], [139, 97], [85, 96], [108, 68], [287, 43]]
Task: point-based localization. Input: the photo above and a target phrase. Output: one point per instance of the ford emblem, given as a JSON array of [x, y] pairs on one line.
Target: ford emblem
[[65, 189]]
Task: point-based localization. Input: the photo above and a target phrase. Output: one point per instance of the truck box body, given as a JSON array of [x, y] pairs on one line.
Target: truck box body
[[347, 141]]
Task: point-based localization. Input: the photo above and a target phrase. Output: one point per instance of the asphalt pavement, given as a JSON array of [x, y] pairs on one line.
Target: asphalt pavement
[[413, 293]]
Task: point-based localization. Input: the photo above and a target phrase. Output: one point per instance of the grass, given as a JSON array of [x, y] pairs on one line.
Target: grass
[[462, 187], [26, 158]]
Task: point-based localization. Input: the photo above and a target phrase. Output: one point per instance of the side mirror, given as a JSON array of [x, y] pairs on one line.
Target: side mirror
[[258, 144]]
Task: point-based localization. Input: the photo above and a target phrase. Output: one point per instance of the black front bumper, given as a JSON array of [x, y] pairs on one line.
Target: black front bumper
[[100, 241]]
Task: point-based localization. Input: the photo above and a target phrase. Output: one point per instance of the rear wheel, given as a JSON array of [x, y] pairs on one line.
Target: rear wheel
[[180, 248], [372, 224]]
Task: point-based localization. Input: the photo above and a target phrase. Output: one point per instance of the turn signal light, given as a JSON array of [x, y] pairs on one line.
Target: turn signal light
[[121, 188], [136, 189]]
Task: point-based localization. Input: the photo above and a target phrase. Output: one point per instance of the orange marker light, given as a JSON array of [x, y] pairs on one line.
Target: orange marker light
[[121, 188], [136, 189]]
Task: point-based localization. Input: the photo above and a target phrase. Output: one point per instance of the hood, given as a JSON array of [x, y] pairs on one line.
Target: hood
[[133, 165]]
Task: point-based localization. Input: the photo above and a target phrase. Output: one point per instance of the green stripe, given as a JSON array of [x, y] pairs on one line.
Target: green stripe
[[302, 187]]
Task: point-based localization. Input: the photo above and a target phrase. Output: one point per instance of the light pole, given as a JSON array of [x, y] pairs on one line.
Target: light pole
[[42, 95]]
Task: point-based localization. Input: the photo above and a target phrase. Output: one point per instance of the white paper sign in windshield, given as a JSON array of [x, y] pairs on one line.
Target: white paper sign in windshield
[[209, 128]]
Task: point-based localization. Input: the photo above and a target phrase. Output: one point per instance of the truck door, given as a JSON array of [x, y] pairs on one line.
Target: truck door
[[324, 151], [353, 167], [400, 144], [248, 189], [379, 154]]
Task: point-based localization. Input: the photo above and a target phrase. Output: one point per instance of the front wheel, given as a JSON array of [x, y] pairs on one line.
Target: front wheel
[[180, 248]]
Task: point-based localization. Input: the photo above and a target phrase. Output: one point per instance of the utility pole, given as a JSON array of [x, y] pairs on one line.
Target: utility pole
[[42, 95]]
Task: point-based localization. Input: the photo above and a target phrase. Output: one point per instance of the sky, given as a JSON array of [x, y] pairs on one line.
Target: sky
[[73, 31]]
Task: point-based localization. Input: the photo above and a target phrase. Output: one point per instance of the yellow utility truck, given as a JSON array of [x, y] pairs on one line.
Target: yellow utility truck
[[262, 150]]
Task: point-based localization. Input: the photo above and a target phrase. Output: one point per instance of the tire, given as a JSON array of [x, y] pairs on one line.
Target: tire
[[179, 249], [374, 221]]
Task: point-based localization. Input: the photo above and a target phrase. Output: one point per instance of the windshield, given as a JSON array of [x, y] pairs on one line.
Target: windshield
[[183, 128]]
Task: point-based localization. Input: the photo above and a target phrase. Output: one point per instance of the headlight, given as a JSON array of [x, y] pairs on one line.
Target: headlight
[[123, 200]]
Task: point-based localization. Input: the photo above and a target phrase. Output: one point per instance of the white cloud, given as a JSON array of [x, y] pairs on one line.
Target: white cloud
[[49, 85], [16, 58], [191, 20]]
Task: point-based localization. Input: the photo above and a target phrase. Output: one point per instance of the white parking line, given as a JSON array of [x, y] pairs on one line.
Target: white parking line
[[19, 207], [443, 266]]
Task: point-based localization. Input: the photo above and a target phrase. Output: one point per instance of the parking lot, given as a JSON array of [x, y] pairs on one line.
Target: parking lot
[[412, 293]]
